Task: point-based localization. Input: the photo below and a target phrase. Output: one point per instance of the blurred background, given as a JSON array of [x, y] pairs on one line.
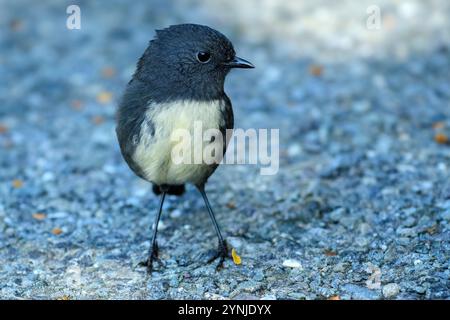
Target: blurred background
[[359, 209]]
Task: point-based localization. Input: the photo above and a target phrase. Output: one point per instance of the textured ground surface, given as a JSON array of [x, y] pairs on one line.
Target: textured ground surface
[[359, 209]]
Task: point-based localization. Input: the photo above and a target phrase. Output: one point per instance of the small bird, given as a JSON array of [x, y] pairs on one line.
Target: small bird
[[179, 80]]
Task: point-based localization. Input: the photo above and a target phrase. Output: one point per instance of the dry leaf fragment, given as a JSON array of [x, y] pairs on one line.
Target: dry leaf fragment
[[17, 183], [236, 257], [432, 230], [316, 70], [231, 205], [108, 72], [441, 138], [3, 128], [77, 104], [330, 253], [438, 125], [39, 216], [98, 119], [64, 297], [56, 231], [336, 297], [16, 25]]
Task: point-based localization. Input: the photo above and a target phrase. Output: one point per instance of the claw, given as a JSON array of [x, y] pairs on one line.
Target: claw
[[153, 256], [149, 263], [221, 254]]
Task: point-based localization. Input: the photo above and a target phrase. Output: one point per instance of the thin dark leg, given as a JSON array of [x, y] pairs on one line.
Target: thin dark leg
[[222, 251], [153, 251]]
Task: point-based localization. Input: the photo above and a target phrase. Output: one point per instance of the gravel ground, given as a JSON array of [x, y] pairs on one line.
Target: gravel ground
[[360, 208]]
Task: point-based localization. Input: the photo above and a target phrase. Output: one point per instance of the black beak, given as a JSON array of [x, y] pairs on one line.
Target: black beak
[[239, 63]]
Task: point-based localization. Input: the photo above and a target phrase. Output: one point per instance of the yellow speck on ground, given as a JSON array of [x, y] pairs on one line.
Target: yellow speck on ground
[[39, 216], [104, 97], [334, 298], [17, 183], [236, 257], [64, 297]]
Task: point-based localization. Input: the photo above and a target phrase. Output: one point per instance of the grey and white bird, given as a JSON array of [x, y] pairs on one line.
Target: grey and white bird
[[179, 80]]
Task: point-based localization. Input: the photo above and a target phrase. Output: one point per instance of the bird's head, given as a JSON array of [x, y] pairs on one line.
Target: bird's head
[[189, 61]]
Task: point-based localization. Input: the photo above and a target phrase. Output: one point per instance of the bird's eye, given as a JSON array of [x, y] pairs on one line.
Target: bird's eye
[[203, 56]]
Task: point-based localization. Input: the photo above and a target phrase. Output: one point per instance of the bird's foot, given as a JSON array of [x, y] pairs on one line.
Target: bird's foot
[[153, 256], [221, 254]]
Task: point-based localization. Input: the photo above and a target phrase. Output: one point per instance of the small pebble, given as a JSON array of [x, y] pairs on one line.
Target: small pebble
[[292, 263], [391, 290]]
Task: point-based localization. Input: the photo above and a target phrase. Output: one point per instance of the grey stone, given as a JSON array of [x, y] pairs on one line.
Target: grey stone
[[361, 177], [391, 290], [360, 293]]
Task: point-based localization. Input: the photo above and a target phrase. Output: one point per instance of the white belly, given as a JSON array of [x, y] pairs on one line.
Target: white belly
[[153, 153]]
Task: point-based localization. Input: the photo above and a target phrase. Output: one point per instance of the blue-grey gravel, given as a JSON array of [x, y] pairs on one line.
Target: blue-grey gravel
[[362, 198]]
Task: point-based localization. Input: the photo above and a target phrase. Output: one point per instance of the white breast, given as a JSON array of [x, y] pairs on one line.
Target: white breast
[[153, 153]]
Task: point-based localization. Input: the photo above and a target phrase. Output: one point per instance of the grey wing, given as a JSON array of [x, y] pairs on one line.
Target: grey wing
[[227, 123], [130, 116], [227, 114]]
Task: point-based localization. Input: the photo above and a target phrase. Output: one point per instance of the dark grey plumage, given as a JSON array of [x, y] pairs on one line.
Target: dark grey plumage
[[168, 71], [170, 67]]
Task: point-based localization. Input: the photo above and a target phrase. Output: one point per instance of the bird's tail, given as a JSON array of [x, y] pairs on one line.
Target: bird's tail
[[176, 190]]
